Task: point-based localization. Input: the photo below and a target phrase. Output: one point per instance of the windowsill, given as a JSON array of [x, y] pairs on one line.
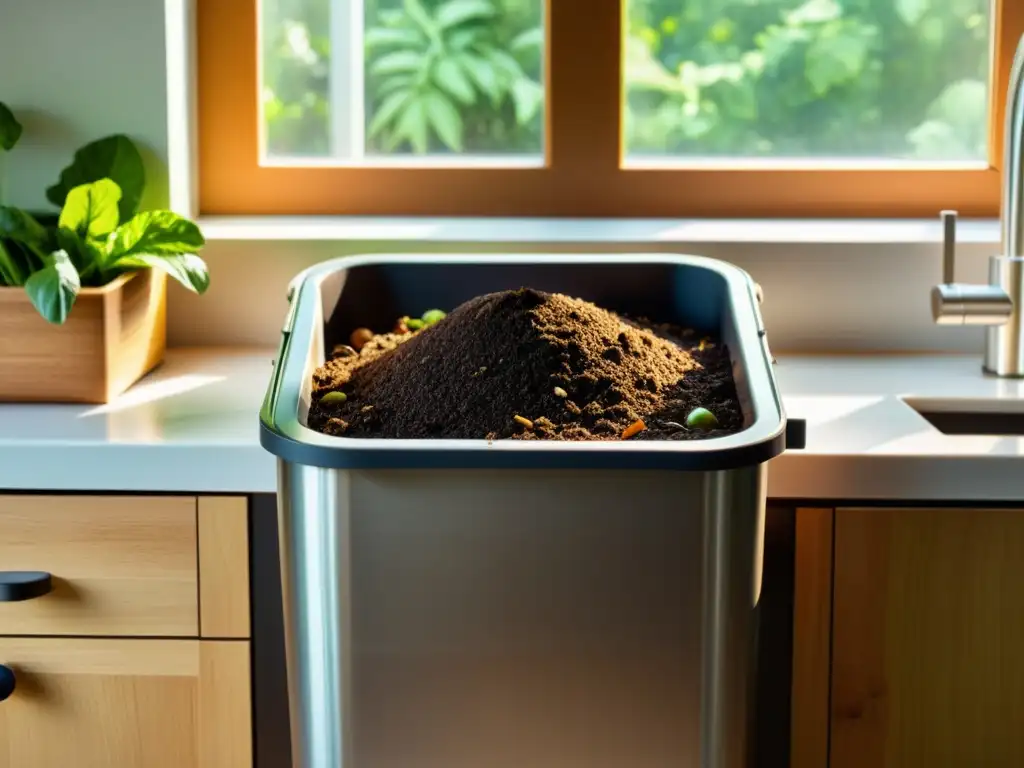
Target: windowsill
[[404, 229]]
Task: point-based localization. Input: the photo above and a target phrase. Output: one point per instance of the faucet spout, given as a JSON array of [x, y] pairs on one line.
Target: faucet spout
[[1004, 344], [999, 306], [1013, 164]]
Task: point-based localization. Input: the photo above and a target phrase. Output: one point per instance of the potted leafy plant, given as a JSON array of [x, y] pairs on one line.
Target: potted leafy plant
[[10, 132], [97, 275]]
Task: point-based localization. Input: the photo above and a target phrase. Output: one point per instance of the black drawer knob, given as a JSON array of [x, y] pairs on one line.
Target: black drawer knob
[[6, 682], [23, 585]]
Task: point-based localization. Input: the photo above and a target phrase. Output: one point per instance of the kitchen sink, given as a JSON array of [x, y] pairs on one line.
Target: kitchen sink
[[964, 416]]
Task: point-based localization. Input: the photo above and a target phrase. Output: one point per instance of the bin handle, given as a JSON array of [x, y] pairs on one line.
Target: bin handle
[[796, 434]]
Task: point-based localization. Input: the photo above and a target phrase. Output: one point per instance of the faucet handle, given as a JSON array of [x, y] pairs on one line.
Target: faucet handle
[[964, 304], [949, 247]]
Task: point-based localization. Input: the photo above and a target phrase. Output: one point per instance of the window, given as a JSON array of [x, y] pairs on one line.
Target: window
[[602, 107], [904, 80], [402, 83]]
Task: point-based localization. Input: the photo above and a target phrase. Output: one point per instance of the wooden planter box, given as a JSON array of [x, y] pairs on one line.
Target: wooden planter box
[[113, 336]]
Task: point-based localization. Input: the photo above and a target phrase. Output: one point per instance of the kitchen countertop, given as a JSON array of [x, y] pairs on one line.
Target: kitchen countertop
[[192, 427]]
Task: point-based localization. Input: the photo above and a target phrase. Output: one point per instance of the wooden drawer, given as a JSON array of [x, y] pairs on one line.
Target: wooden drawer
[[121, 565], [100, 703]]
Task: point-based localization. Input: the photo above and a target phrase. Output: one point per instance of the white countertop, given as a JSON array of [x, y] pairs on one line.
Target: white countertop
[[864, 442], [192, 427]]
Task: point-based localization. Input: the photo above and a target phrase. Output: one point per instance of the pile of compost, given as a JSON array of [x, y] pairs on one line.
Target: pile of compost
[[526, 364]]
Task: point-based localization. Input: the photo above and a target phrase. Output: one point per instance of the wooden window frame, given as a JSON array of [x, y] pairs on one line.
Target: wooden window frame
[[583, 175]]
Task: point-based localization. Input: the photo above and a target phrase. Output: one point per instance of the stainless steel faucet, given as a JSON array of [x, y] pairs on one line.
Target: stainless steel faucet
[[1000, 304]]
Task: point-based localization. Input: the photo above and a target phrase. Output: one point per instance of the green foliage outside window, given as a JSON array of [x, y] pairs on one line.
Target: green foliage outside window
[[789, 78], [456, 75]]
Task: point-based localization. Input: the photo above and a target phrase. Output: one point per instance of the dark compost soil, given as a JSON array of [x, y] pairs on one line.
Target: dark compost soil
[[566, 368]]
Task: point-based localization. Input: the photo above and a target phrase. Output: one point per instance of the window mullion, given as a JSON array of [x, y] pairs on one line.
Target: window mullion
[[346, 81], [584, 87]]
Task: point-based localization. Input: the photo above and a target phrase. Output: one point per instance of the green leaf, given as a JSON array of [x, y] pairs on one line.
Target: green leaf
[[386, 112], [154, 233], [419, 14], [445, 120], [91, 209], [187, 268], [456, 12], [506, 64], [463, 39], [412, 126], [394, 83], [74, 246], [53, 289], [10, 272], [531, 38], [399, 61], [484, 75], [778, 44], [10, 128], [837, 57], [528, 97], [21, 227], [87, 255], [27, 259], [450, 77], [115, 158], [386, 37]]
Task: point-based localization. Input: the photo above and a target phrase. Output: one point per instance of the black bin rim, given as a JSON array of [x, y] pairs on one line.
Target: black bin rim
[[283, 433]]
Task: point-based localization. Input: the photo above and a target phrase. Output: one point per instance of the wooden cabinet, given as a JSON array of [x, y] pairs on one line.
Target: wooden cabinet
[[812, 639], [97, 703], [140, 655], [926, 622], [121, 565]]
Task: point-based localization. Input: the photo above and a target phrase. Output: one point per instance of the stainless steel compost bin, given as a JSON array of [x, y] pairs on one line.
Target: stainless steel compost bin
[[510, 604]]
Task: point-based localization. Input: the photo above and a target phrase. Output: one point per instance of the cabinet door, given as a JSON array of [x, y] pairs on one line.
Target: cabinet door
[[121, 565], [95, 703], [928, 632]]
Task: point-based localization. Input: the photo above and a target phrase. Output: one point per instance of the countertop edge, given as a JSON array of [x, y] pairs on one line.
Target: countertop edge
[[201, 470], [192, 427], [244, 470]]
